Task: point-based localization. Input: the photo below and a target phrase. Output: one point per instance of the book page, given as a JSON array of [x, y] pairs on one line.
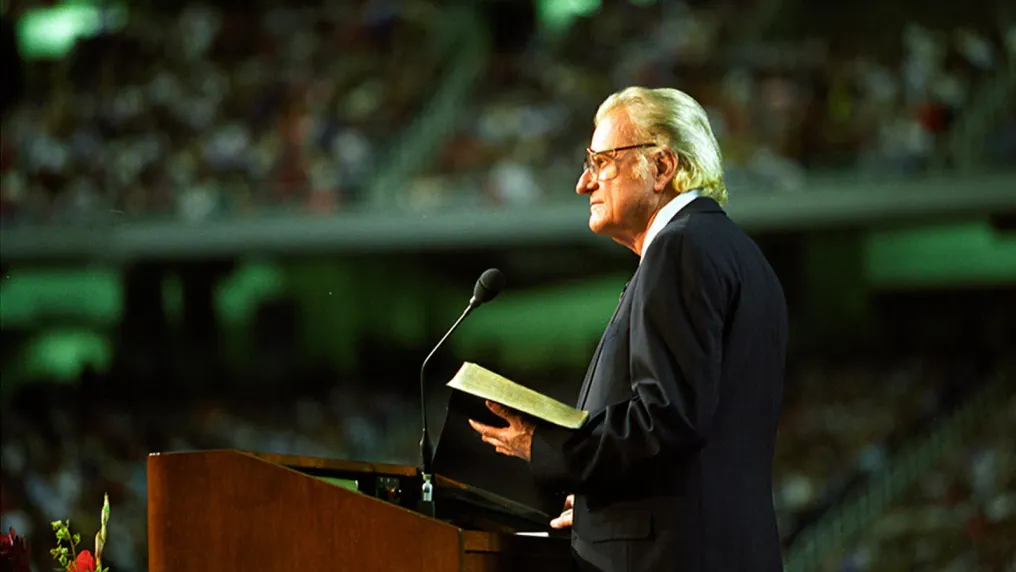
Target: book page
[[483, 383]]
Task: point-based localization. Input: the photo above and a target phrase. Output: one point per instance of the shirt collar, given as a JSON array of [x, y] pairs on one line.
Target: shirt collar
[[666, 214]]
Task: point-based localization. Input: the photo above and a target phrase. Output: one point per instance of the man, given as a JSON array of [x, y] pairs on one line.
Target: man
[[673, 470]]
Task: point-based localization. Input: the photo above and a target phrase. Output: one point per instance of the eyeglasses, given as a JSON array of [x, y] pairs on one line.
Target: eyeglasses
[[602, 165]]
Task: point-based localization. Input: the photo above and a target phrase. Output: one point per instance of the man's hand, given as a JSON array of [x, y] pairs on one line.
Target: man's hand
[[515, 440], [565, 520]]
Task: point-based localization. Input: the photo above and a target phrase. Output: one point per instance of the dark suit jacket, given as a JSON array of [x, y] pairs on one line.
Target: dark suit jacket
[[673, 470]]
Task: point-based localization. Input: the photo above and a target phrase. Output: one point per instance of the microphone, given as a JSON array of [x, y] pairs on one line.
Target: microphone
[[487, 287]]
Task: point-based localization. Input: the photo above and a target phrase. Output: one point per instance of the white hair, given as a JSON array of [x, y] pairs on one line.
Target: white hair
[[673, 119]]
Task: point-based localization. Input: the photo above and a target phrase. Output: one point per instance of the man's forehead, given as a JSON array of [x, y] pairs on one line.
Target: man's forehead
[[612, 131]]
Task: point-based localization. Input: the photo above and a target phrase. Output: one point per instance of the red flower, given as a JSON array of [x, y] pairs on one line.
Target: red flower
[[13, 553], [83, 563]]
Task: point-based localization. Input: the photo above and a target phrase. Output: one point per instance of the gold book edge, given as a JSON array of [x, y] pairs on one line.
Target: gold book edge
[[485, 384]]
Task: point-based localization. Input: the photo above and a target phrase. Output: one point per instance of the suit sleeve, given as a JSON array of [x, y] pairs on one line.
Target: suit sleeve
[[676, 339]]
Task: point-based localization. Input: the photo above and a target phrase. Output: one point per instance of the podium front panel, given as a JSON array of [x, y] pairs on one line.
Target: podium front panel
[[220, 511]]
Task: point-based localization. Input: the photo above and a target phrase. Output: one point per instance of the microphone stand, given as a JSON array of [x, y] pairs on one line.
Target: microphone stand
[[426, 447]]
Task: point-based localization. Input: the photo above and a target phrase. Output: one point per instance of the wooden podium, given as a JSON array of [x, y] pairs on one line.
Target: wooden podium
[[225, 511]]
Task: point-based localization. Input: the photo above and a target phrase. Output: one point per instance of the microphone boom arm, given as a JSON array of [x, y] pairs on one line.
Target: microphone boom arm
[[426, 447]]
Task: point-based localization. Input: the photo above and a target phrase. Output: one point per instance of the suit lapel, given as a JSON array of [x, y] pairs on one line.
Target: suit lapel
[[591, 370], [584, 391]]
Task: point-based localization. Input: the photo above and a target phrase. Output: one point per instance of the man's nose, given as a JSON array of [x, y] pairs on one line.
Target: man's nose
[[586, 183]]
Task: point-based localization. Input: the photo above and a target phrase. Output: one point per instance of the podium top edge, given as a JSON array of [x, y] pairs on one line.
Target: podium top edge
[[304, 462]]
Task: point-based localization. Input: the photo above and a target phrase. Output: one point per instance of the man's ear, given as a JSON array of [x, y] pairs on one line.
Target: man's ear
[[668, 165]]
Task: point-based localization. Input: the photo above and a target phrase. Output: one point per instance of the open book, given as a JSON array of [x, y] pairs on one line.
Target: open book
[[485, 384]]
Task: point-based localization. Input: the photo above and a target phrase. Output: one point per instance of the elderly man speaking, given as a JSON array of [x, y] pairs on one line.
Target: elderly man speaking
[[673, 470]]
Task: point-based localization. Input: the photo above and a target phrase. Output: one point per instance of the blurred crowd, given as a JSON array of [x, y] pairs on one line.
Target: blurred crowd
[[61, 451], [210, 111], [960, 516], [220, 112], [842, 422], [781, 111]]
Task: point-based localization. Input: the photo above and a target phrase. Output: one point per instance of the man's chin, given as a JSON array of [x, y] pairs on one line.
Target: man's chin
[[602, 227]]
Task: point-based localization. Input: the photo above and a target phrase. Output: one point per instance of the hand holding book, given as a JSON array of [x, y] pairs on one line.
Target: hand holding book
[[515, 440]]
